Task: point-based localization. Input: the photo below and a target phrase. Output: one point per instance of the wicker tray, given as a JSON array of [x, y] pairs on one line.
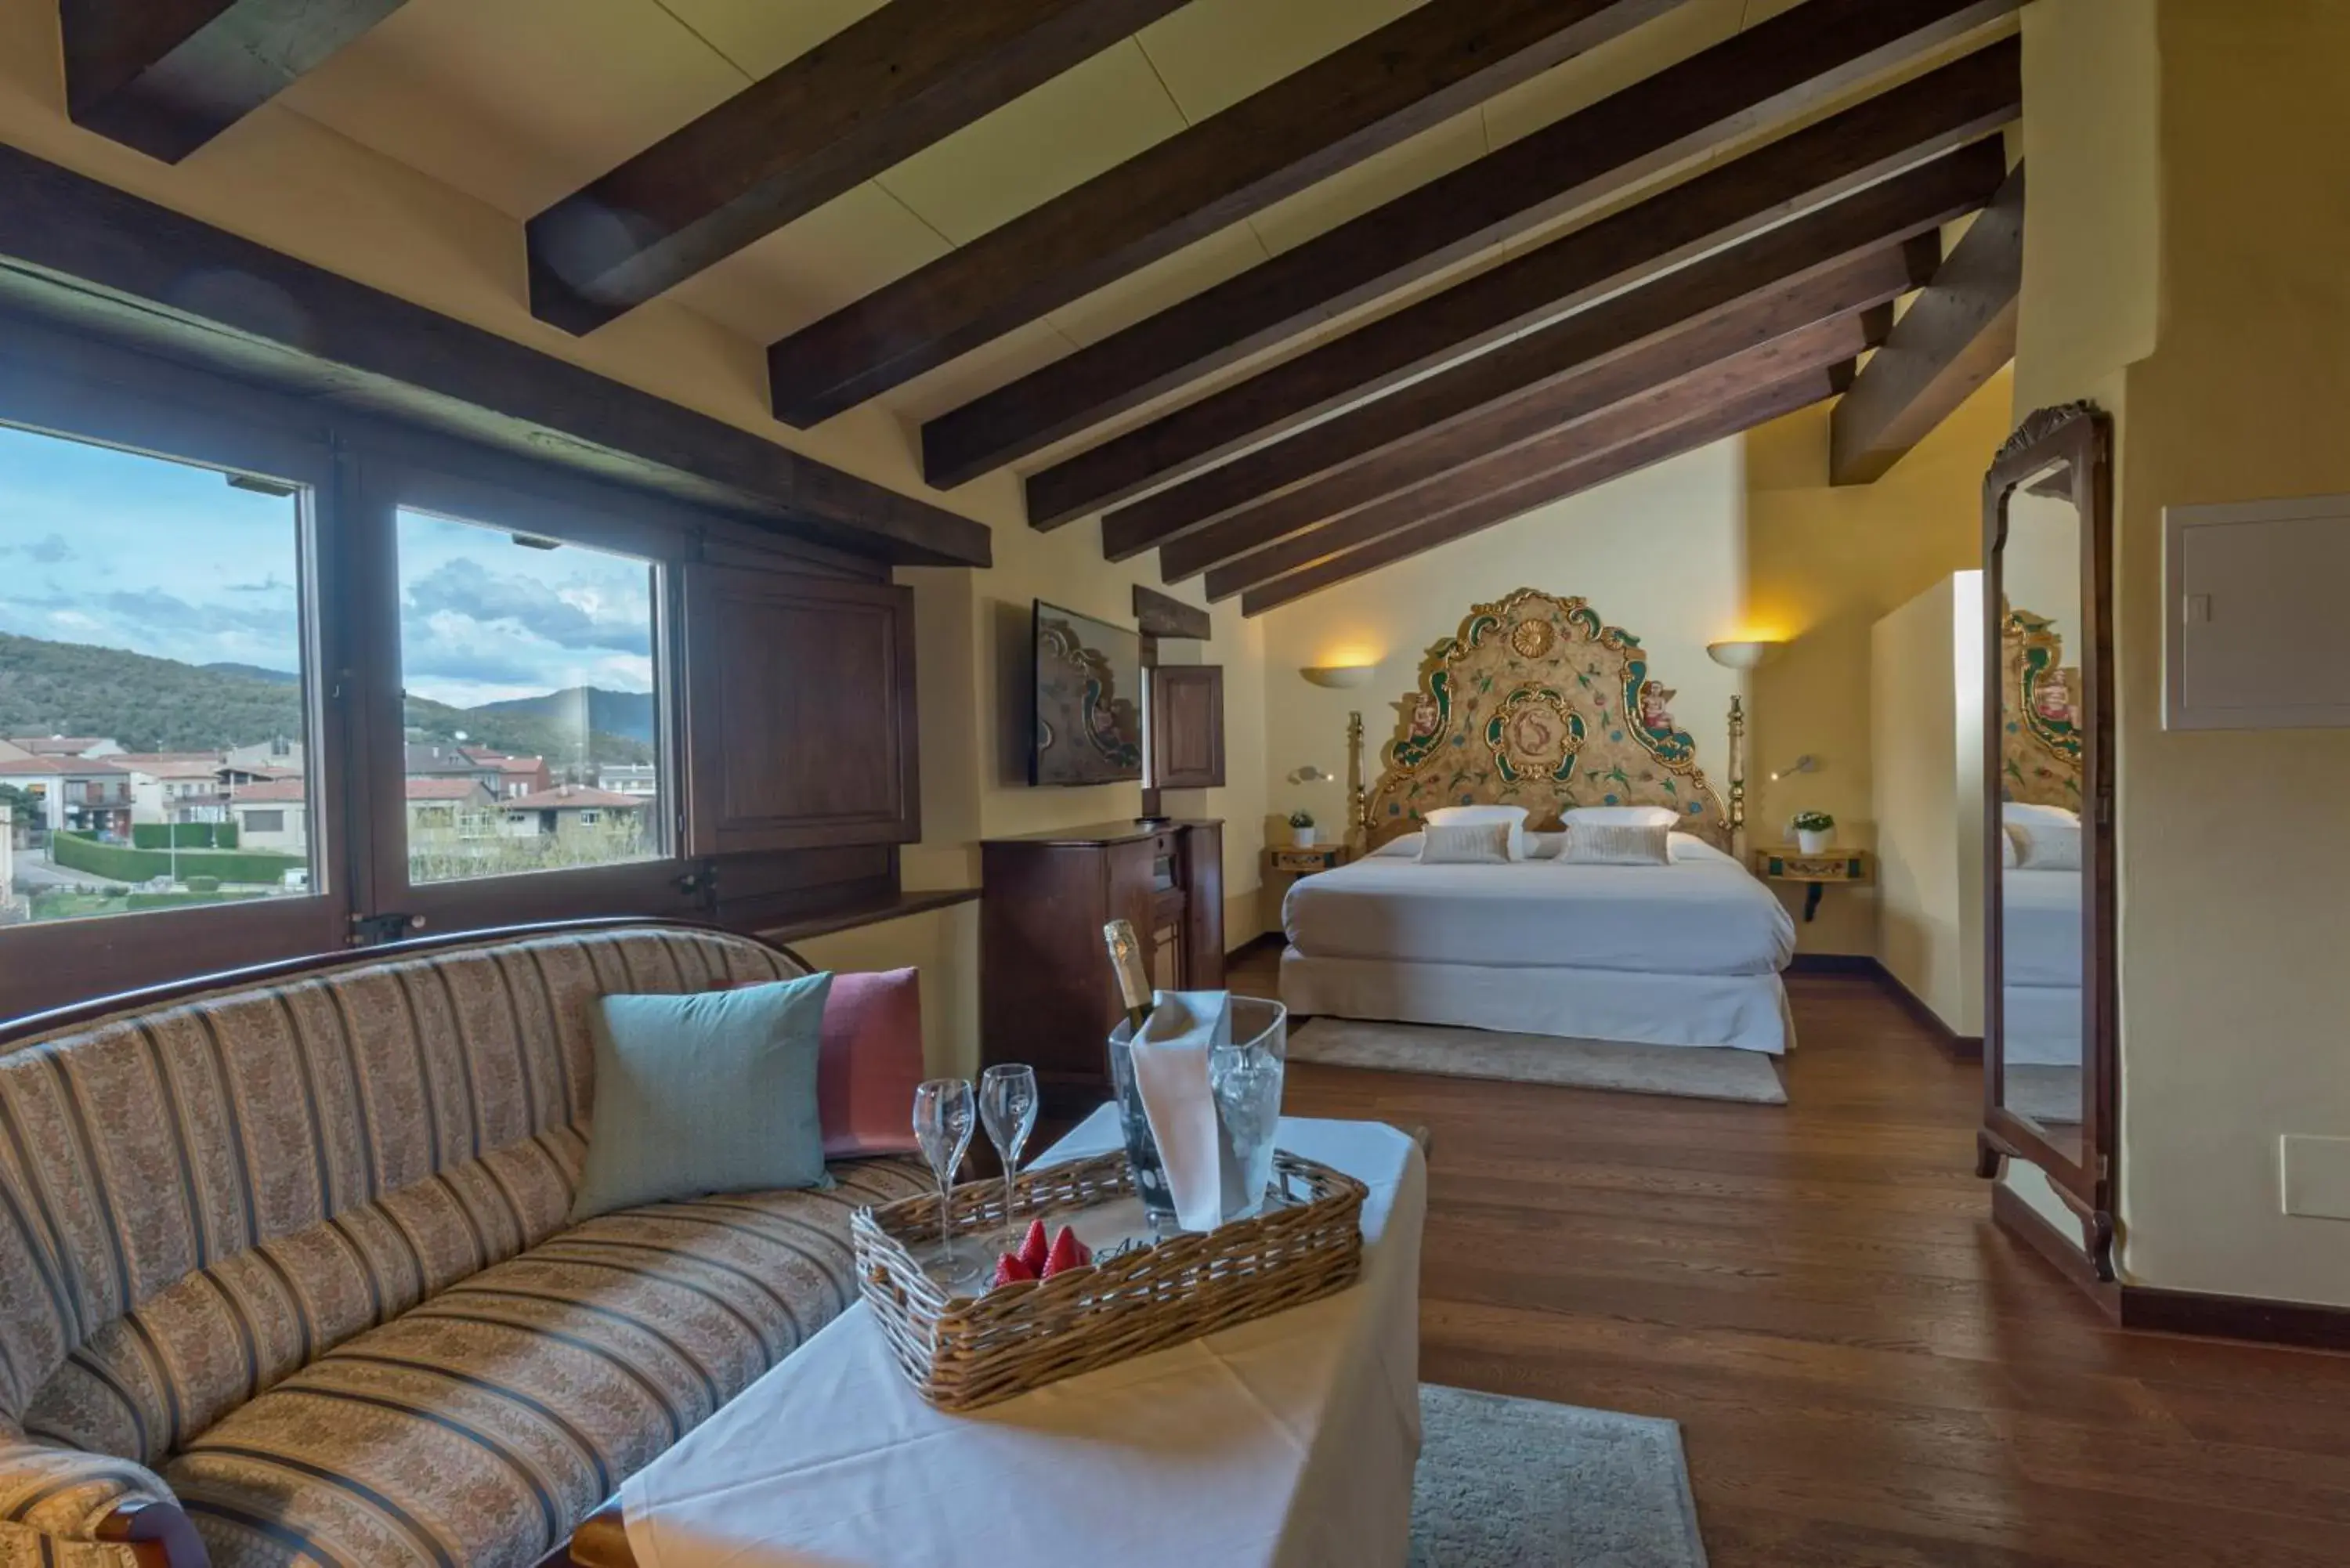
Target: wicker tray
[[962, 1352]]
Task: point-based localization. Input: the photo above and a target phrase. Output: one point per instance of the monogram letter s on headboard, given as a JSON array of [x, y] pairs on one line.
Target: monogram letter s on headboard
[[1535, 703]]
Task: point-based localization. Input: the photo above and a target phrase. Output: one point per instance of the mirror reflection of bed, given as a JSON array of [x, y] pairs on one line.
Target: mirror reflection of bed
[[2042, 957], [1547, 885]]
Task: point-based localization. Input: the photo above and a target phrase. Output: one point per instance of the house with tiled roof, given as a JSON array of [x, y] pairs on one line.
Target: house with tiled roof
[[72, 793]]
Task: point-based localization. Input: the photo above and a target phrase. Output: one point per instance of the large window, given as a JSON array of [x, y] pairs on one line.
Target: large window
[[154, 735], [531, 708]]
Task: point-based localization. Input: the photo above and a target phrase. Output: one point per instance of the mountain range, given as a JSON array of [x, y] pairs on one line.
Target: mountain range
[[163, 705]]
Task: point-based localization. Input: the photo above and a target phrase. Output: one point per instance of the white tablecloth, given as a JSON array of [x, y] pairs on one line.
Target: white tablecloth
[[1288, 1442]]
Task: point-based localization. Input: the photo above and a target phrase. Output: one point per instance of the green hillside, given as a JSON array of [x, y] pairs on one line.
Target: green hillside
[[521, 733]]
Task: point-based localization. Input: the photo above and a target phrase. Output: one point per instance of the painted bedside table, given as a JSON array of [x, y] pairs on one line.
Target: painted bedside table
[[1295, 862], [1788, 864]]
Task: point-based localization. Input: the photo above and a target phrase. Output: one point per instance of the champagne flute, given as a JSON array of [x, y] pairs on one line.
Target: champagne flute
[[1007, 1104], [942, 1117]]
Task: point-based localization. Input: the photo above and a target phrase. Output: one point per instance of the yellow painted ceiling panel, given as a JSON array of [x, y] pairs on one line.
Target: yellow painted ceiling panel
[[1213, 53], [760, 35], [496, 99], [958, 381], [1196, 267], [1090, 118], [847, 248], [1438, 151], [1610, 68]]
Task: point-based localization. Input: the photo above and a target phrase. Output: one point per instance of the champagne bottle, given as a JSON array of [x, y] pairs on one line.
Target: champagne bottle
[[1126, 962]]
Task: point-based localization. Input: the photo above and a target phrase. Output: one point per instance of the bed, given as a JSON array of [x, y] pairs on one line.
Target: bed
[[1538, 703]]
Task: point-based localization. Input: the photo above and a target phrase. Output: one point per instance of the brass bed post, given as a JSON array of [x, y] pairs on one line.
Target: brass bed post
[[1358, 805]]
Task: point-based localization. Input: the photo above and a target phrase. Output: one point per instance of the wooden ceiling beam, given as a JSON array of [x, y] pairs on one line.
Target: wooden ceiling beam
[[871, 96], [1703, 430], [1773, 71], [1820, 346], [1856, 287], [1956, 104], [1427, 65], [1953, 338], [1910, 206], [167, 75]]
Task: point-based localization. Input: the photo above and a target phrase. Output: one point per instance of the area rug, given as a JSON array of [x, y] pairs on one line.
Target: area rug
[[1697, 1072], [2049, 1096], [1518, 1483]]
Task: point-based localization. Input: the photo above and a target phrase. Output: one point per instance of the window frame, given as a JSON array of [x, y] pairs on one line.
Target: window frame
[[84, 401], [389, 482]]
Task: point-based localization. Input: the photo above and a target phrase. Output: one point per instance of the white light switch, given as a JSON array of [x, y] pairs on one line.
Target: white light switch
[[2316, 1173]]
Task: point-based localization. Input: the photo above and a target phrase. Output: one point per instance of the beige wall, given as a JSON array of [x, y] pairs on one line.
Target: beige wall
[[2231, 130], [1657, 553], [1926, 715], [289, 182], [1826, 565]]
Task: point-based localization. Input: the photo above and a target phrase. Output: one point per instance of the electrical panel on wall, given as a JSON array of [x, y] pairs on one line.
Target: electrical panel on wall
[[2257, 615]]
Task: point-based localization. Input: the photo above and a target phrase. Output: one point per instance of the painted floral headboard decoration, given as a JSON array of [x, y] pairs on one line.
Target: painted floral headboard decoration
[[2039, 749], [1538, 702]]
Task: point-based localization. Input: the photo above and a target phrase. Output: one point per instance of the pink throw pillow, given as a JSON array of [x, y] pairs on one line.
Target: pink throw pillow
[[871, 1062]]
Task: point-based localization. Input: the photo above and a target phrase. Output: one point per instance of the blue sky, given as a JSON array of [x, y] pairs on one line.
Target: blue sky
[[106, 547]]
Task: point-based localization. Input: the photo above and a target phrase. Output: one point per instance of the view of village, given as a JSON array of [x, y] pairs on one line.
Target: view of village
[[94, 828]]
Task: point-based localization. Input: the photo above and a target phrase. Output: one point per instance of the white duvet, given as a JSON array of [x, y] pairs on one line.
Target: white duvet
[[2039, 919], [1702, 914]]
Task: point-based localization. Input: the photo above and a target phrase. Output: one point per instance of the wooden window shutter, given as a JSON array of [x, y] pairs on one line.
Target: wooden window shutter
[[800, 726], [1187, 726]]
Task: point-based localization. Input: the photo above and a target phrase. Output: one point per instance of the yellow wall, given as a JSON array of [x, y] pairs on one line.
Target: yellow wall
[[1824, 566], [289, 182], [2233, 990], [1926, 716], [1657, 553]]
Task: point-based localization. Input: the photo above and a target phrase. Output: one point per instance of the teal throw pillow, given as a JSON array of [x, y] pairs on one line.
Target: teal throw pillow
[[711, 1092]]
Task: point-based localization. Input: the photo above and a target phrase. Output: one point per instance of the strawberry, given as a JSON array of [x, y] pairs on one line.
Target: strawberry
[[1010, 1270], [1067, 1252], [1032, 1250]]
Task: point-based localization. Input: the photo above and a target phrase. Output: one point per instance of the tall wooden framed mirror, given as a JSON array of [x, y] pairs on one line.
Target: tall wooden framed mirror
[[2049, 1059]]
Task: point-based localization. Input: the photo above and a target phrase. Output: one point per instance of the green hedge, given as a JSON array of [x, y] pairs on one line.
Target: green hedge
[[83, 852], [191, 835]]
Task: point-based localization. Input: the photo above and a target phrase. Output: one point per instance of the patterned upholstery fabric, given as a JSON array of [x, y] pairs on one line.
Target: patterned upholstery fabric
[[198, 1201], [476, 1429]]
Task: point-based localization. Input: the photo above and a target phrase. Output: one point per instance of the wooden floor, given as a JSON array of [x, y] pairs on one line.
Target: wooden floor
[[1866, 1372]]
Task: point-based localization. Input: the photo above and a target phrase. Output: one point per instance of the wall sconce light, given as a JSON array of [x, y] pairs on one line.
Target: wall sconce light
[[1807, 763], [1342, 676], [1309, 773], [1740, 655]]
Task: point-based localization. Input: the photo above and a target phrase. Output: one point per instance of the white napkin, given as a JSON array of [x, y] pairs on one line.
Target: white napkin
[[1171, 1072]]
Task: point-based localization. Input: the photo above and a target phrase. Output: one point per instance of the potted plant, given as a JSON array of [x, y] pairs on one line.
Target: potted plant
[[1814, 831], [1301, 829]]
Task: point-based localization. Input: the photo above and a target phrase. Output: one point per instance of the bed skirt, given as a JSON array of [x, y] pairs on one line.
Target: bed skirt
[[1747, 1012]]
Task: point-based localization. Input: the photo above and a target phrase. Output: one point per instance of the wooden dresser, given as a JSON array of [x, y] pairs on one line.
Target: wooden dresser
[[1045, 994]]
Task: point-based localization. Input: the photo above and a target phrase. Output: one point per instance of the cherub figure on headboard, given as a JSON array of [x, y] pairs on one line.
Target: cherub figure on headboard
[[1656, 716]]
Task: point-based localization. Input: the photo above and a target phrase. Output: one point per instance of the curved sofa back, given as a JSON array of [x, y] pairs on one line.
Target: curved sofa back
[[200, 1195]]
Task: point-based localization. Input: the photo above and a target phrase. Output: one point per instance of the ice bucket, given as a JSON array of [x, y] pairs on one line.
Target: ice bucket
[[1246, 1077]]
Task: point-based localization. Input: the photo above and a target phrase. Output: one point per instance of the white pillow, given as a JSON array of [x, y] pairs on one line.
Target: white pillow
[[1514, 817], [2020, 812], [2008, 860], [1623, 815], [2046, 845], [1406, 843], [1545, 846], [1465, 843], [1617, 844]]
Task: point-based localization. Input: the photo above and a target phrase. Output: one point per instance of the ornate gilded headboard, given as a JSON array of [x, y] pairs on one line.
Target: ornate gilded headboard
[[2040, 750], [1537, 702]]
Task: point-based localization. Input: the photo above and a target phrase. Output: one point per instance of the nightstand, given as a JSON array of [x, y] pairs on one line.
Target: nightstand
[[1816, 871], [1296, 862]]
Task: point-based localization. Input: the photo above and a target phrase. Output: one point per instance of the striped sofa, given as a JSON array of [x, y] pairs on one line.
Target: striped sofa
[[286, 1274]]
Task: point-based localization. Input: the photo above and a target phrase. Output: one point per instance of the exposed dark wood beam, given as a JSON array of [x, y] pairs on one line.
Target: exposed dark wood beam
[[1773, 71], [875, 93], [1165, 616], [1703, 430], [1811, 168], [1427, 65], [115, 266], [1916, 204], [1815, 349], [1953, 338], [1840, 294], [167, 75]]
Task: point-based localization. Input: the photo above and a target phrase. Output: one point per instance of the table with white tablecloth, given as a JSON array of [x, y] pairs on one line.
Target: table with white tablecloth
[[1287, 1442]]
